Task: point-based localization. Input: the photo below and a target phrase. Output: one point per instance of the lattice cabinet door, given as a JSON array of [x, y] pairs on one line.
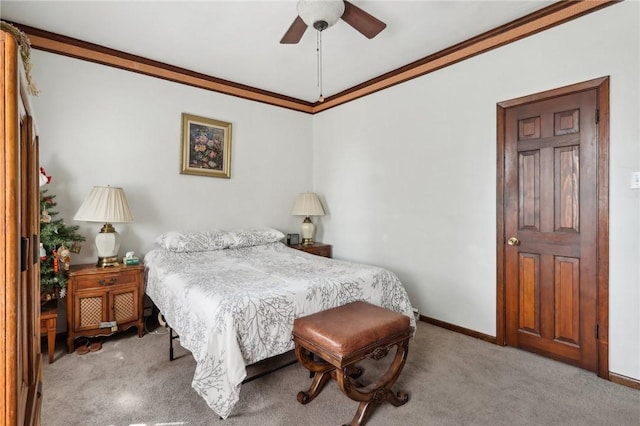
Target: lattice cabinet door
[[124, 305], [90, 309]]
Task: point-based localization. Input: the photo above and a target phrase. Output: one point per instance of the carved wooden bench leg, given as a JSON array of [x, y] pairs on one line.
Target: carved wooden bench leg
[[308, 361], [372, 395], [319, 381], [354, 371], [323, 371]]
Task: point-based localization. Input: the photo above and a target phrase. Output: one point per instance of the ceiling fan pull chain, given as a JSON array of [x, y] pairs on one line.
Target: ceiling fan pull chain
[[324, 14], [318, 59], [319, 50]]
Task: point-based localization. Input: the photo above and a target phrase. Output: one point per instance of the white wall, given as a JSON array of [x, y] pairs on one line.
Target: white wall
[[409, 174], [105, 126]]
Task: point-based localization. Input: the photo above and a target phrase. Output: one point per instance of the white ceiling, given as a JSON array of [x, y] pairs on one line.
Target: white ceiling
[[239, 40]]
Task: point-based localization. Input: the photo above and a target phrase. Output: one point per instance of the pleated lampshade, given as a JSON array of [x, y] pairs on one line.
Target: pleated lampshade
[[106, 204], [307, 204]]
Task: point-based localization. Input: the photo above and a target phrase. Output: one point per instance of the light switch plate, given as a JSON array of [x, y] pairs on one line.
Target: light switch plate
[[635, 180]]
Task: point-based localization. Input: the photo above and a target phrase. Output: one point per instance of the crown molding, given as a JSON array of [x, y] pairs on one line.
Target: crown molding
[[543, 19], [549, 17]]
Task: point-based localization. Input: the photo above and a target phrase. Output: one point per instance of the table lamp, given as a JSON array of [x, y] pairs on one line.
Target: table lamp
[[109, 205], [307, 204]]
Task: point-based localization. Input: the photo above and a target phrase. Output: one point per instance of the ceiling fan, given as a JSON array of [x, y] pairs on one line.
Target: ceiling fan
[[322, 14]]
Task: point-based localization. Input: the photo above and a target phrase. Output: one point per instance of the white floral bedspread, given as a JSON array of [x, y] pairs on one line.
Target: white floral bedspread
[[234, 307]]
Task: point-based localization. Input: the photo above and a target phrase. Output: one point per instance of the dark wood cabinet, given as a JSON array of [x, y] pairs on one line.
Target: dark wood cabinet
[[102, 301], [20, 357], [319, 249]]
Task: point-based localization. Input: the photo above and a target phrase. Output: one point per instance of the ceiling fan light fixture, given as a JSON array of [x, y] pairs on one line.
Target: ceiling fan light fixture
[[327, 11]]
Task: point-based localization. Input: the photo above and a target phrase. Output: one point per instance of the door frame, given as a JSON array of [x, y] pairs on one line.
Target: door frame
[[601, 85]]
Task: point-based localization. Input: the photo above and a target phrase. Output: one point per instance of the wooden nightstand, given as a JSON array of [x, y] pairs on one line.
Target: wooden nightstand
[[102, 301], [48, 324], [318, 249]]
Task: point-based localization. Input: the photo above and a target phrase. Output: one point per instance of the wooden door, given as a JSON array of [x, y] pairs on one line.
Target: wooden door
[[29, 285], [551, 217], [14, 396], [20, 358]]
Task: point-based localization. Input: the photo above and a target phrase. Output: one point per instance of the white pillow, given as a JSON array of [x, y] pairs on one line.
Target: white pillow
[[179, 241], [254, 237]]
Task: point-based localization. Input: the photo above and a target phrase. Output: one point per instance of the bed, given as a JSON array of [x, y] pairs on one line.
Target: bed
[[232, 297]]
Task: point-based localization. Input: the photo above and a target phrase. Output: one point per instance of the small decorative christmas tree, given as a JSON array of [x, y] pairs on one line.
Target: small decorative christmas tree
[[57, 241]]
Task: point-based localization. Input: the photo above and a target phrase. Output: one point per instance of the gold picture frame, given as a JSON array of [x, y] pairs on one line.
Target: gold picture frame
[[206, 147]]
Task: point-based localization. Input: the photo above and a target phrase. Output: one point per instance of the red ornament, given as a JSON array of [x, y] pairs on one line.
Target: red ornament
[[55, 261], [44, 179]]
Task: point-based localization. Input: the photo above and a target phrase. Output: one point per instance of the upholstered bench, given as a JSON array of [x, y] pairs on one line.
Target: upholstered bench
[[331, 342]]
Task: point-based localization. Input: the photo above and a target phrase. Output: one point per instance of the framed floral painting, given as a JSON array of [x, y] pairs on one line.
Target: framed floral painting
[[206, 146]]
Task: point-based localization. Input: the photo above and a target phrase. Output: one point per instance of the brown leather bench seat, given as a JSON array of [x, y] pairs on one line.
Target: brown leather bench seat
[[331, 342]]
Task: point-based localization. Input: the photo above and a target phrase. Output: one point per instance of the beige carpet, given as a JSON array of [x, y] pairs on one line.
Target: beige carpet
[[452, 379]]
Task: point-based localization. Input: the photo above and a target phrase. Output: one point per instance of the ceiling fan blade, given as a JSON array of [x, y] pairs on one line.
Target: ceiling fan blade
[[366, 24], [295, 32]]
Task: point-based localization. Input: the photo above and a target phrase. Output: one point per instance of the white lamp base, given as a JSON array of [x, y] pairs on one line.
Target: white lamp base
[[107, 244], [307, 231]]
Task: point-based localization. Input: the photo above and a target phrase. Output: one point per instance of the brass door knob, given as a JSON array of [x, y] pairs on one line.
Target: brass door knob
[[513, 241]]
